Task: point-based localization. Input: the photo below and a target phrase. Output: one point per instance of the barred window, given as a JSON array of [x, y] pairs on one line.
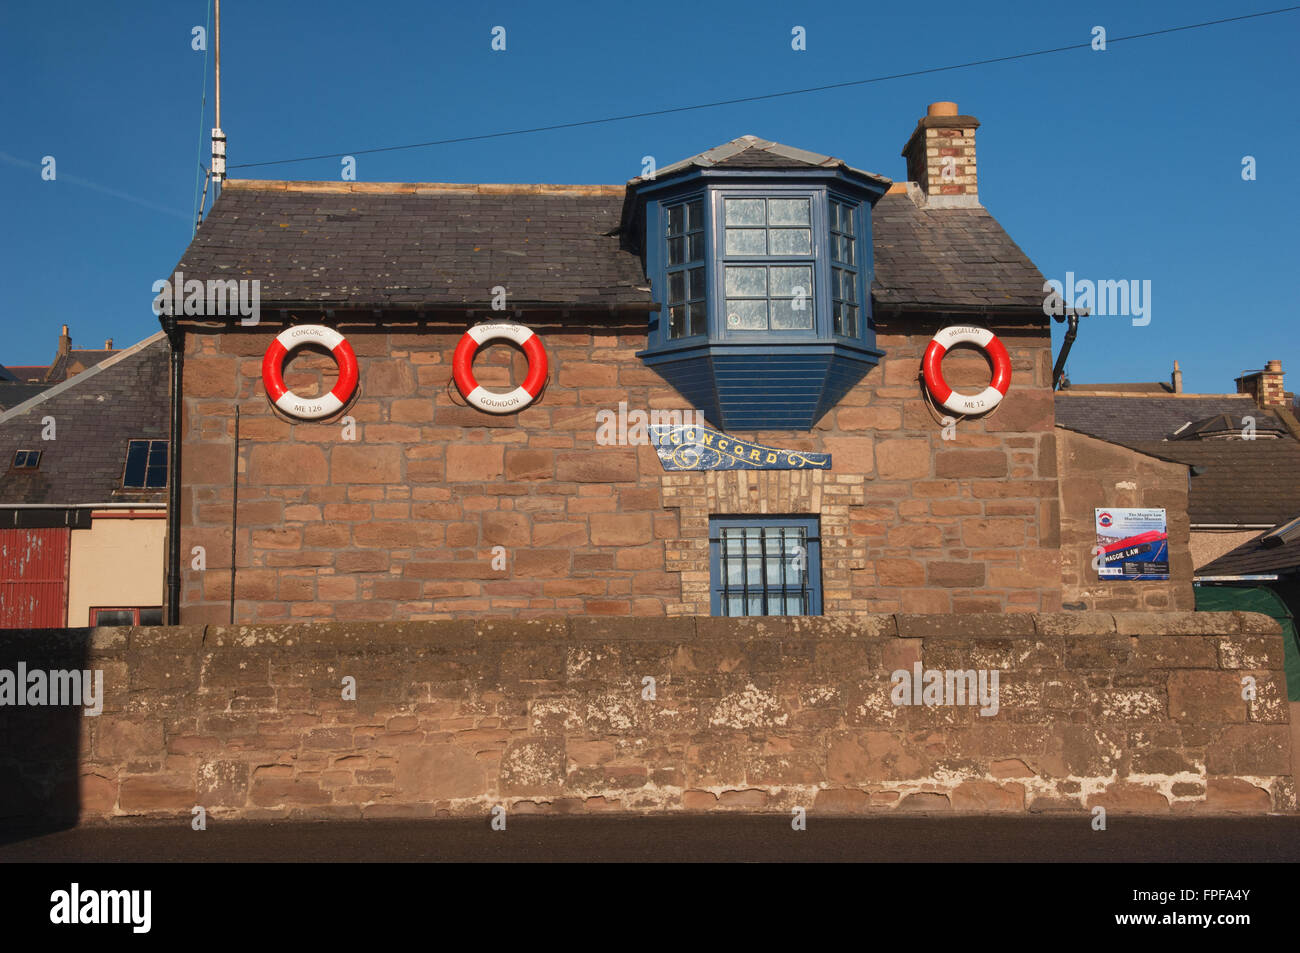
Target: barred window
[[765, 566]]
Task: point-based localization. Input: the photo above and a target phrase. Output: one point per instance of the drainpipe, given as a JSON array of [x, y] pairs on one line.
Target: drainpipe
[[1071, 333], [176, 337]]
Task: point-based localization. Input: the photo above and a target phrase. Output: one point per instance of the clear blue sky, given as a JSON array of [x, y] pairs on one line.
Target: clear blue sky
[[1123, 164]]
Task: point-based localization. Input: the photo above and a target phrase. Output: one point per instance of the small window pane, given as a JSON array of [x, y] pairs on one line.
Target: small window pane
[[697, 283], [746, 241], [791, 241], [746, 315], [677, 322], [137, 460], [114, 617], [788, 212], [696, 247], [676, 287], [785, 281], [694, 216], [151, 616], [746, 282], [676, 248], [676, 219], [698, 318], [792, 314], [744, 211]]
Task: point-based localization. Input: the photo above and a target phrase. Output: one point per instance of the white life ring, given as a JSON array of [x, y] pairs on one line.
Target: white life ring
[[490, 402], [945, 396], [309, 408]]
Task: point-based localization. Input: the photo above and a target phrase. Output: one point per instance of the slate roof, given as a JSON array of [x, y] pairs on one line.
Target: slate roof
[[13, 393], [87, 358], [949, 259], [1252, 482], [1277, 551], [408, 246], [412, 246], [96, 413], [1128, 419], [751, 152], [28, 372]]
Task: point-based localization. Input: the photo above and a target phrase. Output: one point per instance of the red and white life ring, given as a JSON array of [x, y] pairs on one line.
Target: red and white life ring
[[945, 396], [309, 408], [462, 364]]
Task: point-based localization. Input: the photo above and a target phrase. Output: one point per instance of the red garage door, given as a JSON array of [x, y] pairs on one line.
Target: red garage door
[[34, 578]]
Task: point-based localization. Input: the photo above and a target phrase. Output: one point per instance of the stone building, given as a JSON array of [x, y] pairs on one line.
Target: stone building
[[784, 297]]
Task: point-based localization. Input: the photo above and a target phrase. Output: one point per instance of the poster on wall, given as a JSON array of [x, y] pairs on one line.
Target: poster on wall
[[1132, 543]]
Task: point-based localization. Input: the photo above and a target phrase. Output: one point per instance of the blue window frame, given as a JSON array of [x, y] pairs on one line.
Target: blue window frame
[[765, 566], [686, 299]]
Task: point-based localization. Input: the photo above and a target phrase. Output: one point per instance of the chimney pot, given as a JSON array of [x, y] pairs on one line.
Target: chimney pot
[[942, 109], [108, 345], [1177, 379], [1274, 367]]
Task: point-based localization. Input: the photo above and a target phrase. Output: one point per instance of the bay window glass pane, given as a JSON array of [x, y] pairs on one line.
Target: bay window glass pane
[[786, 279], [746, 241], [788, 212], [697, 283], [676, 219], [745, 315], [791, 241], [676, 251], [676, 287], [694, 216], [744, 211], [746, 282], [696, 247], [677, 322], [787, 315], [697, 318]]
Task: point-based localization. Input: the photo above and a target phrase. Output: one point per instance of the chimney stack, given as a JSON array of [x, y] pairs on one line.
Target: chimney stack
[[941, 157], [65, 341], [1265, 386], [1177, 379], [108, 345]]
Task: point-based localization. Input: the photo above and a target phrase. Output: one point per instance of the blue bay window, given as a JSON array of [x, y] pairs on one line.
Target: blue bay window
[[763, 287], [764, 566]]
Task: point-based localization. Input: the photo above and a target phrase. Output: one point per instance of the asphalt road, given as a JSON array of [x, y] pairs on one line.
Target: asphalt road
[[688, 838]]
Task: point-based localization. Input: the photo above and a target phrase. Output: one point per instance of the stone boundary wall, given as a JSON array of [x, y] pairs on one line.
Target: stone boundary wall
[[1139, 712]]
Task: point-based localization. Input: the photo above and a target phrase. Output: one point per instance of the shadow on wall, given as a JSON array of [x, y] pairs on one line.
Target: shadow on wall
[[43, 727]]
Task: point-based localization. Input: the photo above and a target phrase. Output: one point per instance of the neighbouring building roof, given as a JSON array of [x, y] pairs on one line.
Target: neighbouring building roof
[[13, 393], [1245, 482], [96, 413], [75, 361], [28, 373], [1277, 551], [424, 246], [1126, 419]]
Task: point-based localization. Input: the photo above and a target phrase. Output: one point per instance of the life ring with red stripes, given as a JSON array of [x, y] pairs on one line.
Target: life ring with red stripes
[[945, 396], [309, 408], [490, 402]]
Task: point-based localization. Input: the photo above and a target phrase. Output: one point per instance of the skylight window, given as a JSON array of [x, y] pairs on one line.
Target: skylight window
[[27, 460], [146, 465]]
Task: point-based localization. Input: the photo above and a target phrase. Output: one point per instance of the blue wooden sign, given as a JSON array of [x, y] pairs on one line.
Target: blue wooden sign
[[685, 447]]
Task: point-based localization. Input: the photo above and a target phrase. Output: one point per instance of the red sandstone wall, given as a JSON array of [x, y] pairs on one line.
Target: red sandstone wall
[[400, 524], [1094, 474], [1139, 712]]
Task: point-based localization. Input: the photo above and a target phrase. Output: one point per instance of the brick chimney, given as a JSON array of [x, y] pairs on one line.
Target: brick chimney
[[108, 345], [1176, 381], [1265, 386], [941, 157], [65, 341]]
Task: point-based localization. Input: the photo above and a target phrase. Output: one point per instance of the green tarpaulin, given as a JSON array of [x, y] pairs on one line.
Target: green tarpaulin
[[1263, 600]]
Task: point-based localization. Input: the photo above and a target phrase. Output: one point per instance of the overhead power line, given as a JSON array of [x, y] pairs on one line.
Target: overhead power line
[[759, 98]]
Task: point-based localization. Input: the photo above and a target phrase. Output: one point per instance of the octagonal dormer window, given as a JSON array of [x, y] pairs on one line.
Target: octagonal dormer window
[[762, 282]]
